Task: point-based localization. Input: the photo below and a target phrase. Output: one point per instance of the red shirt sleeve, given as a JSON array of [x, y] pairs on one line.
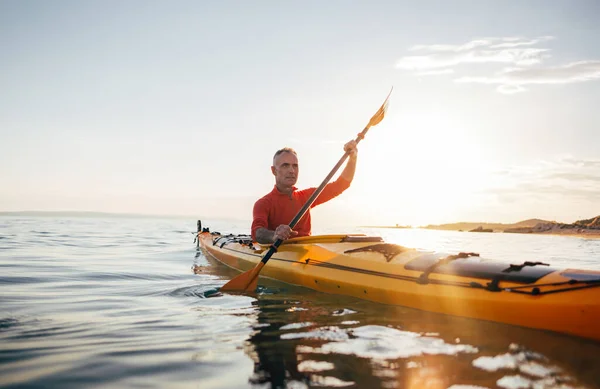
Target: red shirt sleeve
[[331, 190], [260, 216]]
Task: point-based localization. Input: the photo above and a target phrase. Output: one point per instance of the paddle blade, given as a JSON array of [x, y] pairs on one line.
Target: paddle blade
[[378, 117], [245, 282]]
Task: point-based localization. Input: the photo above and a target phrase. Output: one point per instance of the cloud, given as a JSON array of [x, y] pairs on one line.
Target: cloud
[[564, 189], [516, 42], [519, 57], [435, 72], [553, 194], [576, 177], [509, 51], [507, 89], [563, 178], [522, 61], [581, 162], [574, 173], [512, 80]]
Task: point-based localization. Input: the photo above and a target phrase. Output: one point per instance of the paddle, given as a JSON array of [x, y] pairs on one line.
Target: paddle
[[248, 280]]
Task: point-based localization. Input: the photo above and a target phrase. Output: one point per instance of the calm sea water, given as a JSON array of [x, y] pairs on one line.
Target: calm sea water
[[116, 302]]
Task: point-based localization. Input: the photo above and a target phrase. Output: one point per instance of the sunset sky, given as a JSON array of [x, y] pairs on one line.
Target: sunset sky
[[177, 107]]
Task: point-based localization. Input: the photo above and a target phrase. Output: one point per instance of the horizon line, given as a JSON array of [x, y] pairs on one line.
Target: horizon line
[[182, 216], [103, 213]]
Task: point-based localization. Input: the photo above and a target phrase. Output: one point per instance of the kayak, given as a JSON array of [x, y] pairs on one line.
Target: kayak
[[529, 294]]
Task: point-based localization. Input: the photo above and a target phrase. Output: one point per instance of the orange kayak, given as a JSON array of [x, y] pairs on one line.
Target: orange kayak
[[529, 294]]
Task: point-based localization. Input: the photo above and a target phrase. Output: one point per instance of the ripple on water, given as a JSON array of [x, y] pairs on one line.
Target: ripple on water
[[374, 341], [295, 326], [202, 291], [8, 322], [343, 312], [525, 369]]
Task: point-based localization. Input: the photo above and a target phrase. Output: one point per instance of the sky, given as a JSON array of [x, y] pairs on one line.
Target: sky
[[176, 108]]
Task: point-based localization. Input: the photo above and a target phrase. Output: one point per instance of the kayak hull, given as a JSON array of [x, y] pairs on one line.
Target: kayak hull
[[529, 295]]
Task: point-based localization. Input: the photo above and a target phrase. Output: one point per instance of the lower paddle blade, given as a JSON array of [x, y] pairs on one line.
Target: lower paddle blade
[[245, 282], [253, 285]]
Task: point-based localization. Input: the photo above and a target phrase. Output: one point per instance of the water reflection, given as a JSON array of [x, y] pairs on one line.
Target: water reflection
[[308, 343], [306, 339]]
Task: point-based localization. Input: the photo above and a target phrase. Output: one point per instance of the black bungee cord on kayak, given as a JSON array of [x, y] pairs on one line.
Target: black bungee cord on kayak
[[388, 250]]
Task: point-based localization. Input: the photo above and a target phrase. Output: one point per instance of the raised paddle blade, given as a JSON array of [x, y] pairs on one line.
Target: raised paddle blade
[[378, 117], [245, 282]]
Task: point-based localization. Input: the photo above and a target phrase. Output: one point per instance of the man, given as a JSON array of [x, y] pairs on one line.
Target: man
[[273, 212]]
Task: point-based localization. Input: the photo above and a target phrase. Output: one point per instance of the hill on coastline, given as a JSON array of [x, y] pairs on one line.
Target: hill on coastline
[[589, 223], [467, 226], [529, 225]]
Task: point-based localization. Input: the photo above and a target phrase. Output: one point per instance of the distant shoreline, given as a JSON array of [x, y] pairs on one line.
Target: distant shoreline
[[587, 234], [592, 234], [576, 232], [580, 233], [586, 228]]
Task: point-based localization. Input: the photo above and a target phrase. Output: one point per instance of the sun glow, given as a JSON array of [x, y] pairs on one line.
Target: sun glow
[[424, 170]]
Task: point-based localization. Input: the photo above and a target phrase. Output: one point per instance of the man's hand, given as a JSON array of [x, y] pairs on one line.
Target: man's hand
[[284, 232], [351, 149]]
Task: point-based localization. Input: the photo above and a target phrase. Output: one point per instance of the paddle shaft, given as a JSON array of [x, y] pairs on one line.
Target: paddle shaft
[[313, 197]]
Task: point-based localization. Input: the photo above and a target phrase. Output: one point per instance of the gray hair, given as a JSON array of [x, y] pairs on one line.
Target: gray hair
[[283, 150]]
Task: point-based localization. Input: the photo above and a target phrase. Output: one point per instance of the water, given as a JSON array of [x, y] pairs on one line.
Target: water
[[129, 302]]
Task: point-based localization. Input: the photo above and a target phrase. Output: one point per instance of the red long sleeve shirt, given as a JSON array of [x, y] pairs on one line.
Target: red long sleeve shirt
[[278, 208]]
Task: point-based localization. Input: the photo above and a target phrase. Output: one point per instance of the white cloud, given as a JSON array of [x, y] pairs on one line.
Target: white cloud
[[593, 163], [510, 89], [512, 80], [525, 63], [564, 190], [518, 56], [516, 42], [563, 178], [508, 51], [435, 72]]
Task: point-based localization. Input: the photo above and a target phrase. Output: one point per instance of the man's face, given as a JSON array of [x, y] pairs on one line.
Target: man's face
[[285, 170]]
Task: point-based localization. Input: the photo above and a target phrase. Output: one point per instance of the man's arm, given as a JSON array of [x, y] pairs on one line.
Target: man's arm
[[260, 221], [266, 236], [348, 173]]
